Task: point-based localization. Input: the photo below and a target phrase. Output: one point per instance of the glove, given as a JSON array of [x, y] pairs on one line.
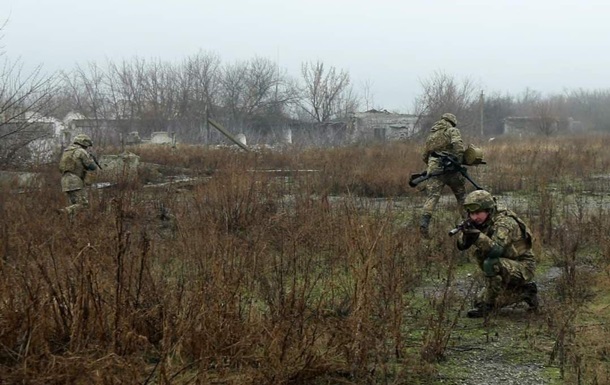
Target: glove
[[461, 246], [470, 236], [490, 266]]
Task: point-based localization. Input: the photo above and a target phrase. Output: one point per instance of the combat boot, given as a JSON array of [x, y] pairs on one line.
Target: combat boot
[[530, 295], [481, 310], [424, 224]]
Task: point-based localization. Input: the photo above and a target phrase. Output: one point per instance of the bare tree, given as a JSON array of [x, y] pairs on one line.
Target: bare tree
[[86, 88], [25, 98], [347, 102], [367, 95], [199, 91], [545, 115], [591, 108], [160, 93], [548, 114], [326, 93], [233, 92], [253, 92], [443, 93], [145, 93], [126, 93], [497, 107]]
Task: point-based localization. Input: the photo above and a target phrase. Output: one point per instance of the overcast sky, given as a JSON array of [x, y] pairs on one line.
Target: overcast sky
[[504, 45]]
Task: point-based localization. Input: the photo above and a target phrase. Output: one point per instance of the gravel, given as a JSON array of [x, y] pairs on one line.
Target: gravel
[[495, 351]]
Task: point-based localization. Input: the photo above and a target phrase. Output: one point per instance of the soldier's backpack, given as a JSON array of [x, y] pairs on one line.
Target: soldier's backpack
[[526, 233], [67, 162], [473, 155]]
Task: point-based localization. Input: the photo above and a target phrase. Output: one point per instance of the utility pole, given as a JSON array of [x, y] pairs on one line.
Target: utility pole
[[481, 108], [207, 124]]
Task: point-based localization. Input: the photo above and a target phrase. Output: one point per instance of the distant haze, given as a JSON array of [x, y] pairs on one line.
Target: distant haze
[[504, 45]]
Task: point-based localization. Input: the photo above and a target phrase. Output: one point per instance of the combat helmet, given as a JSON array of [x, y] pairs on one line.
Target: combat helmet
[[83, 140], [450, 118], [479, 200]]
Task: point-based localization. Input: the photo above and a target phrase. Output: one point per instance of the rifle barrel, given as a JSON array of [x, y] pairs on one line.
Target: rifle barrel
[[454, 231]]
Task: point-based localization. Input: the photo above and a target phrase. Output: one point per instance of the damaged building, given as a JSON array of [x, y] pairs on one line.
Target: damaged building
[[380, 125]]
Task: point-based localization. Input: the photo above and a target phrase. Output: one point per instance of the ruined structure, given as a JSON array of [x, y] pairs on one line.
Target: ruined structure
[[384, 125]]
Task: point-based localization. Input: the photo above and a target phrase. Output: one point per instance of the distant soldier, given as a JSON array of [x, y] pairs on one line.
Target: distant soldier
[[503, 245], [444, 137], [74, 164]]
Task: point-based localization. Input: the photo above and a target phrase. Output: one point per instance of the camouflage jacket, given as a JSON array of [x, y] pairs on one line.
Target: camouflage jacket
[[443, 137], [507, 230], [74, 164]]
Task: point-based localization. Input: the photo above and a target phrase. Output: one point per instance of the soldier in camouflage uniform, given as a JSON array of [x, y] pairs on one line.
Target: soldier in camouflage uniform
[[503, 245], [444, 137], [74, 164]]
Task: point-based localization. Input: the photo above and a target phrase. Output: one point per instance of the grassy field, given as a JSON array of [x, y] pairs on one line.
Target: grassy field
[[300, 267]]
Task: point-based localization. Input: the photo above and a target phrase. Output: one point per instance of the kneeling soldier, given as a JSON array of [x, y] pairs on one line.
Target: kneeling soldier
[[503, 245]]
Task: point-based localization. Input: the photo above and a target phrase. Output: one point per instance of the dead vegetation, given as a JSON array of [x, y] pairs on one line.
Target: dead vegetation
[[251, 277]]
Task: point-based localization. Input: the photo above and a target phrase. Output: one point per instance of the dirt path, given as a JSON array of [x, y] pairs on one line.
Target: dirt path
[[510, 347]]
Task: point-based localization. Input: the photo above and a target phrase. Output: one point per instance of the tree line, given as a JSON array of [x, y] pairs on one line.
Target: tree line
[[254, 96], [484, 115], [250, 95], [154, 95]]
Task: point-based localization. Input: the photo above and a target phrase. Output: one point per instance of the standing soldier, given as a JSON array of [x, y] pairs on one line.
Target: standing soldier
[[503, 245], [444, 137], [74, 164]]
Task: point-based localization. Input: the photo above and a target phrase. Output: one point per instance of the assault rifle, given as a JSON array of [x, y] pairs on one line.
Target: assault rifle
[[449, 164], [461, 227], [95, 160]]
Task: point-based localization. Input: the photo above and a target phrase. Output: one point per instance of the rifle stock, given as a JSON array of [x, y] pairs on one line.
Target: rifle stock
[[416, 179]]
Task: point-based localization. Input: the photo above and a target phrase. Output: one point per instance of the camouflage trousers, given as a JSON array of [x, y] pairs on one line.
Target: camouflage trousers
[[509, 286], [434, 189], [77, 200]]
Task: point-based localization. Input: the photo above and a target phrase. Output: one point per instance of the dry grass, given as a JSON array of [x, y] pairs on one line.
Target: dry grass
[[254, 278]]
